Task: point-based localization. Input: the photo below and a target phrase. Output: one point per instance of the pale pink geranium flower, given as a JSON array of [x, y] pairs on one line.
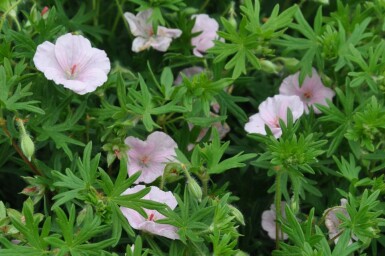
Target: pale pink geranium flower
[[222, 129], [208, 28], [150, 156], [141, 27], [73, 62], [271, 110], [269, 224], [189, 73], [332, 222], [310, 92], [149, 224]]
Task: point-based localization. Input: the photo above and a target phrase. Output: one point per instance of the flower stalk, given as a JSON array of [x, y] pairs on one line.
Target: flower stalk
[[278, 207]]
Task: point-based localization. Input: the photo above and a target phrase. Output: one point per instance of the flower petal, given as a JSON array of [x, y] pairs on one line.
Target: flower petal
[[133, 217], [164, 146], [160, 43], [92, 78], [139, 222], [165, 230], [168, 32], [151, 172], [139, 25], [99, 60], [45, 61], [189, 73], [140, 44], [255, 125], [163, 197], [73, 50], [208, 28]]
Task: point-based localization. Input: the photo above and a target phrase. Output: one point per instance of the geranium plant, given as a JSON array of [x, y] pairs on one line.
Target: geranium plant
[[181, 127]]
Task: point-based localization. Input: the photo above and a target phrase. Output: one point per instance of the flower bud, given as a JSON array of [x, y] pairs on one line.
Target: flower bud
[[325, 2], [232, 14], [241, 253], [81, 216], [294, 205], [237, 214], [44, 11], [27, 145], [290, 63], [269, 67], [194, 188]]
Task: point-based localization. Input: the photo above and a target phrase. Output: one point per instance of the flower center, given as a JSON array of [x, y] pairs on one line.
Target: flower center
[[151, 217], [144, 160], [308, 95], [276, 122], [71, 74], [150, 32]]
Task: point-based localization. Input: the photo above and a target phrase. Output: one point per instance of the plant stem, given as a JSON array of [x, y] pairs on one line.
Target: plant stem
[[205, 181], [204, 5], [278, 196], [95, 8], [18, 150], [4, 16], [119, 16]]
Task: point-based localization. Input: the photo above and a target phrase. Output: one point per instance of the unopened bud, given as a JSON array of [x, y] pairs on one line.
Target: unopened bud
[[30, 190], [27, 145], [44, 11], [326, 2], [232, 14], [237, 214], [290, 63], [294, 205], [81, 216], [269, 67], [194, 188], [373, 232], [233, 22], [241, 253]]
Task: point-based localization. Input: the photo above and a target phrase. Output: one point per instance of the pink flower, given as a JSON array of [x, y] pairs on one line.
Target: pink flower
[[268, 221], [332, 222], [222, 129], [208, 28], [137, 221], [271, 110], [189, 73], [73, 63], [141, 27], [150, 156], [312, 90]]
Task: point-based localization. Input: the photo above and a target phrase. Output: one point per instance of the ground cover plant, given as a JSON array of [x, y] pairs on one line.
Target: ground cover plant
[[181, 127]]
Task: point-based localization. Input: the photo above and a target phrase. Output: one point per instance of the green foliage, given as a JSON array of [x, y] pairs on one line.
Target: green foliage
[[364, 221], [368, 123], [13, 94], [71, 204], [309, 240], [251, 39], [208, 158]]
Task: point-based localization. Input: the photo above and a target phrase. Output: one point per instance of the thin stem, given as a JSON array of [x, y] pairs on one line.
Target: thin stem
[[205, 183], [161, 184], [121, 15], [4, 16], [204, 5], [17, 148], [95, 8], [278, 197]]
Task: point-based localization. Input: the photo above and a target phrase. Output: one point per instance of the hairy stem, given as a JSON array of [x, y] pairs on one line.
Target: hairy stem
[[278, 196], [18, 150], [119, 5]]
